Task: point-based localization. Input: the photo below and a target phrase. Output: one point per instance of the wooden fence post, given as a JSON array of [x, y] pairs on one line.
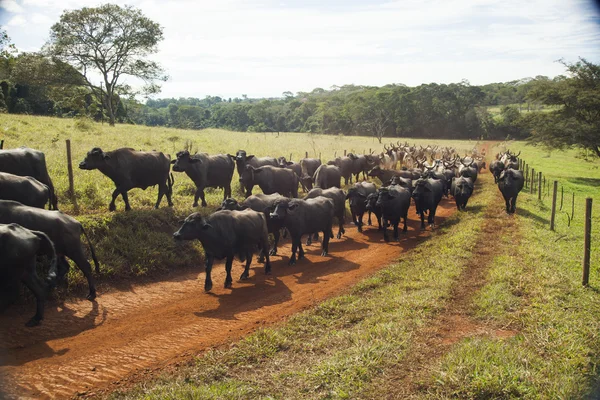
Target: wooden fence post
[[526, 175], [1, 144], [573, 207], [70, 171], [532, 181], [344, 152], [306, 154], [552, 217], [587, 241], [319, 155], [562, 196], [539, 185]]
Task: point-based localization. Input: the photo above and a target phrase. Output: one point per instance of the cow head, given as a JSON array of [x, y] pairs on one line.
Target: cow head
[[231, 204], [248, 176], [371, 201], [355, 198], [192, 228], [94, 159], [384, 195], [376, 172], [421, 188], [307, 181], [508, 176], [463, 186], [184, 161], [402, 182], [282, 207]]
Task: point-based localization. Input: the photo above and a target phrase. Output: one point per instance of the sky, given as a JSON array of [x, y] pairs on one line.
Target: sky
[[262, 48]]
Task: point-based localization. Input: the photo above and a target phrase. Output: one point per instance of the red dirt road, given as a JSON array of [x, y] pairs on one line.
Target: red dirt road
[[85, 347]]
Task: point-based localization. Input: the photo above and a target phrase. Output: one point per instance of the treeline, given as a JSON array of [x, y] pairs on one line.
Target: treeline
[[34, 84]]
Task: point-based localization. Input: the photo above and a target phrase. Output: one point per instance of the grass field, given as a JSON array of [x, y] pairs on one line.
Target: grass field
[[140, 242]]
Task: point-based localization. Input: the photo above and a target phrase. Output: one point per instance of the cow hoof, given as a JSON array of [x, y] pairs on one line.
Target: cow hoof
[[91, 296], [261, 260], [396, 239], [273, 252], [204, 204], [32, 322], [339, 236], [207, 287], [308, 242], [324, 254], [170, 204], [244, 276], [112, 207], [195, 205], [292, 262], [387, 240], [360, 229], [127, 208], [227, 285]]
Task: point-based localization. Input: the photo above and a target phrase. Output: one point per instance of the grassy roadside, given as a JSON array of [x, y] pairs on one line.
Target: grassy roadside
[[337, 348], [535, 288]]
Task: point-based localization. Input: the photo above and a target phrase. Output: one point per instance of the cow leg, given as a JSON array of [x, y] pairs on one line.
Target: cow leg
[[208, 268], [396, 230], [276, 235], [126, 200], [422, 219], [295, 241], [199, 194], [431, 218], [514, 205], [314, 237], [228, 264], [405, 228], [79, 258], [261, 256], [111, 206], [369, 220], [325, 243], [507, 200], [264, 245], [300, 251], [162, 190], [246, 274], [227, 191], [385, 234], [379, 223], [37, 287]]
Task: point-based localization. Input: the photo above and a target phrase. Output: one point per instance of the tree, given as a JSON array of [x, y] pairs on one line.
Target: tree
[[113, 41], [577, 120]]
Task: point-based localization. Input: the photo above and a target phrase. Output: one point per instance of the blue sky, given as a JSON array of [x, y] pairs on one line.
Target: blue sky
[[263, 48]]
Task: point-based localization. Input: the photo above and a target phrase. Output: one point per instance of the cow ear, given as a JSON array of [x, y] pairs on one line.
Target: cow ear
[[257, 170], [249, 157], [206, 226], [173, 161], [195, 160], [293, 206], [105, 156], [230, 156], [181, 221], [289, 163]]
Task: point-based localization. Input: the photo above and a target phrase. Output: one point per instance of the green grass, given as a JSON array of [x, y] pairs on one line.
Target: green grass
[[140, 243]]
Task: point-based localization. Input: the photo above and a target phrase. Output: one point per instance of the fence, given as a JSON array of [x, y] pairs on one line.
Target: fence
[[536, 182]]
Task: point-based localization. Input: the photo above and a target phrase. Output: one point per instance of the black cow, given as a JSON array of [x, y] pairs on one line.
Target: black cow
[[63, 230], [24, 189], [28, 162], [302, 217], [429, 173], [242, 160], [129, 169], [206, 171], [18, 250], [309, 166], [225, 234], [270, 180], [362, 163], [339, 202], [462, 189], [328, 176], [283, 163], [469, 171], [406, 183], [427, 194], [385, 175], [259, 203], [394, 202], [496, 168], [510, 183], [346, 166], [357, 198], [372, 207]]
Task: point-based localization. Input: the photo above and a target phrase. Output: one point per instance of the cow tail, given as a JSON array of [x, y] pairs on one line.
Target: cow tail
[[91, 251], [47, 247], [170, 182]]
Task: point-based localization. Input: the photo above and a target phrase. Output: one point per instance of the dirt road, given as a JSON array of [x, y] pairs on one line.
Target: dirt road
[[82, 347]]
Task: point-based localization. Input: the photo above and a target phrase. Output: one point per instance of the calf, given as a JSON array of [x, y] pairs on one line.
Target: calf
[[339, 202], [357, 197], [206, 171], [427, 194], [24, 189], [302, 217], [510, 183], [63, 230], [18, 250], [259, 203], [328, 176], [225, 234], [28, 162], [394, 202], [372, 207], [462, 189], [496, 168], [129, 169], [270, 180]]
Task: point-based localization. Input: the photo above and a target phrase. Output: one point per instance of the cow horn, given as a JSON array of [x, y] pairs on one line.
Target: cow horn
[[518, 154]]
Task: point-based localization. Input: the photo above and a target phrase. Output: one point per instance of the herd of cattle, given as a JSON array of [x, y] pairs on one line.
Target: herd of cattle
[[423, 174]]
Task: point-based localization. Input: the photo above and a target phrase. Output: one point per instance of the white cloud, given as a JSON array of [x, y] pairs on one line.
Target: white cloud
[[17, 20], [11, 6], [264, 47]]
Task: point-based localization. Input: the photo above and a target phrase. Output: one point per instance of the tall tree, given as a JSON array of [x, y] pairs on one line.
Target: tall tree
[[577, 120], [111, 41]]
